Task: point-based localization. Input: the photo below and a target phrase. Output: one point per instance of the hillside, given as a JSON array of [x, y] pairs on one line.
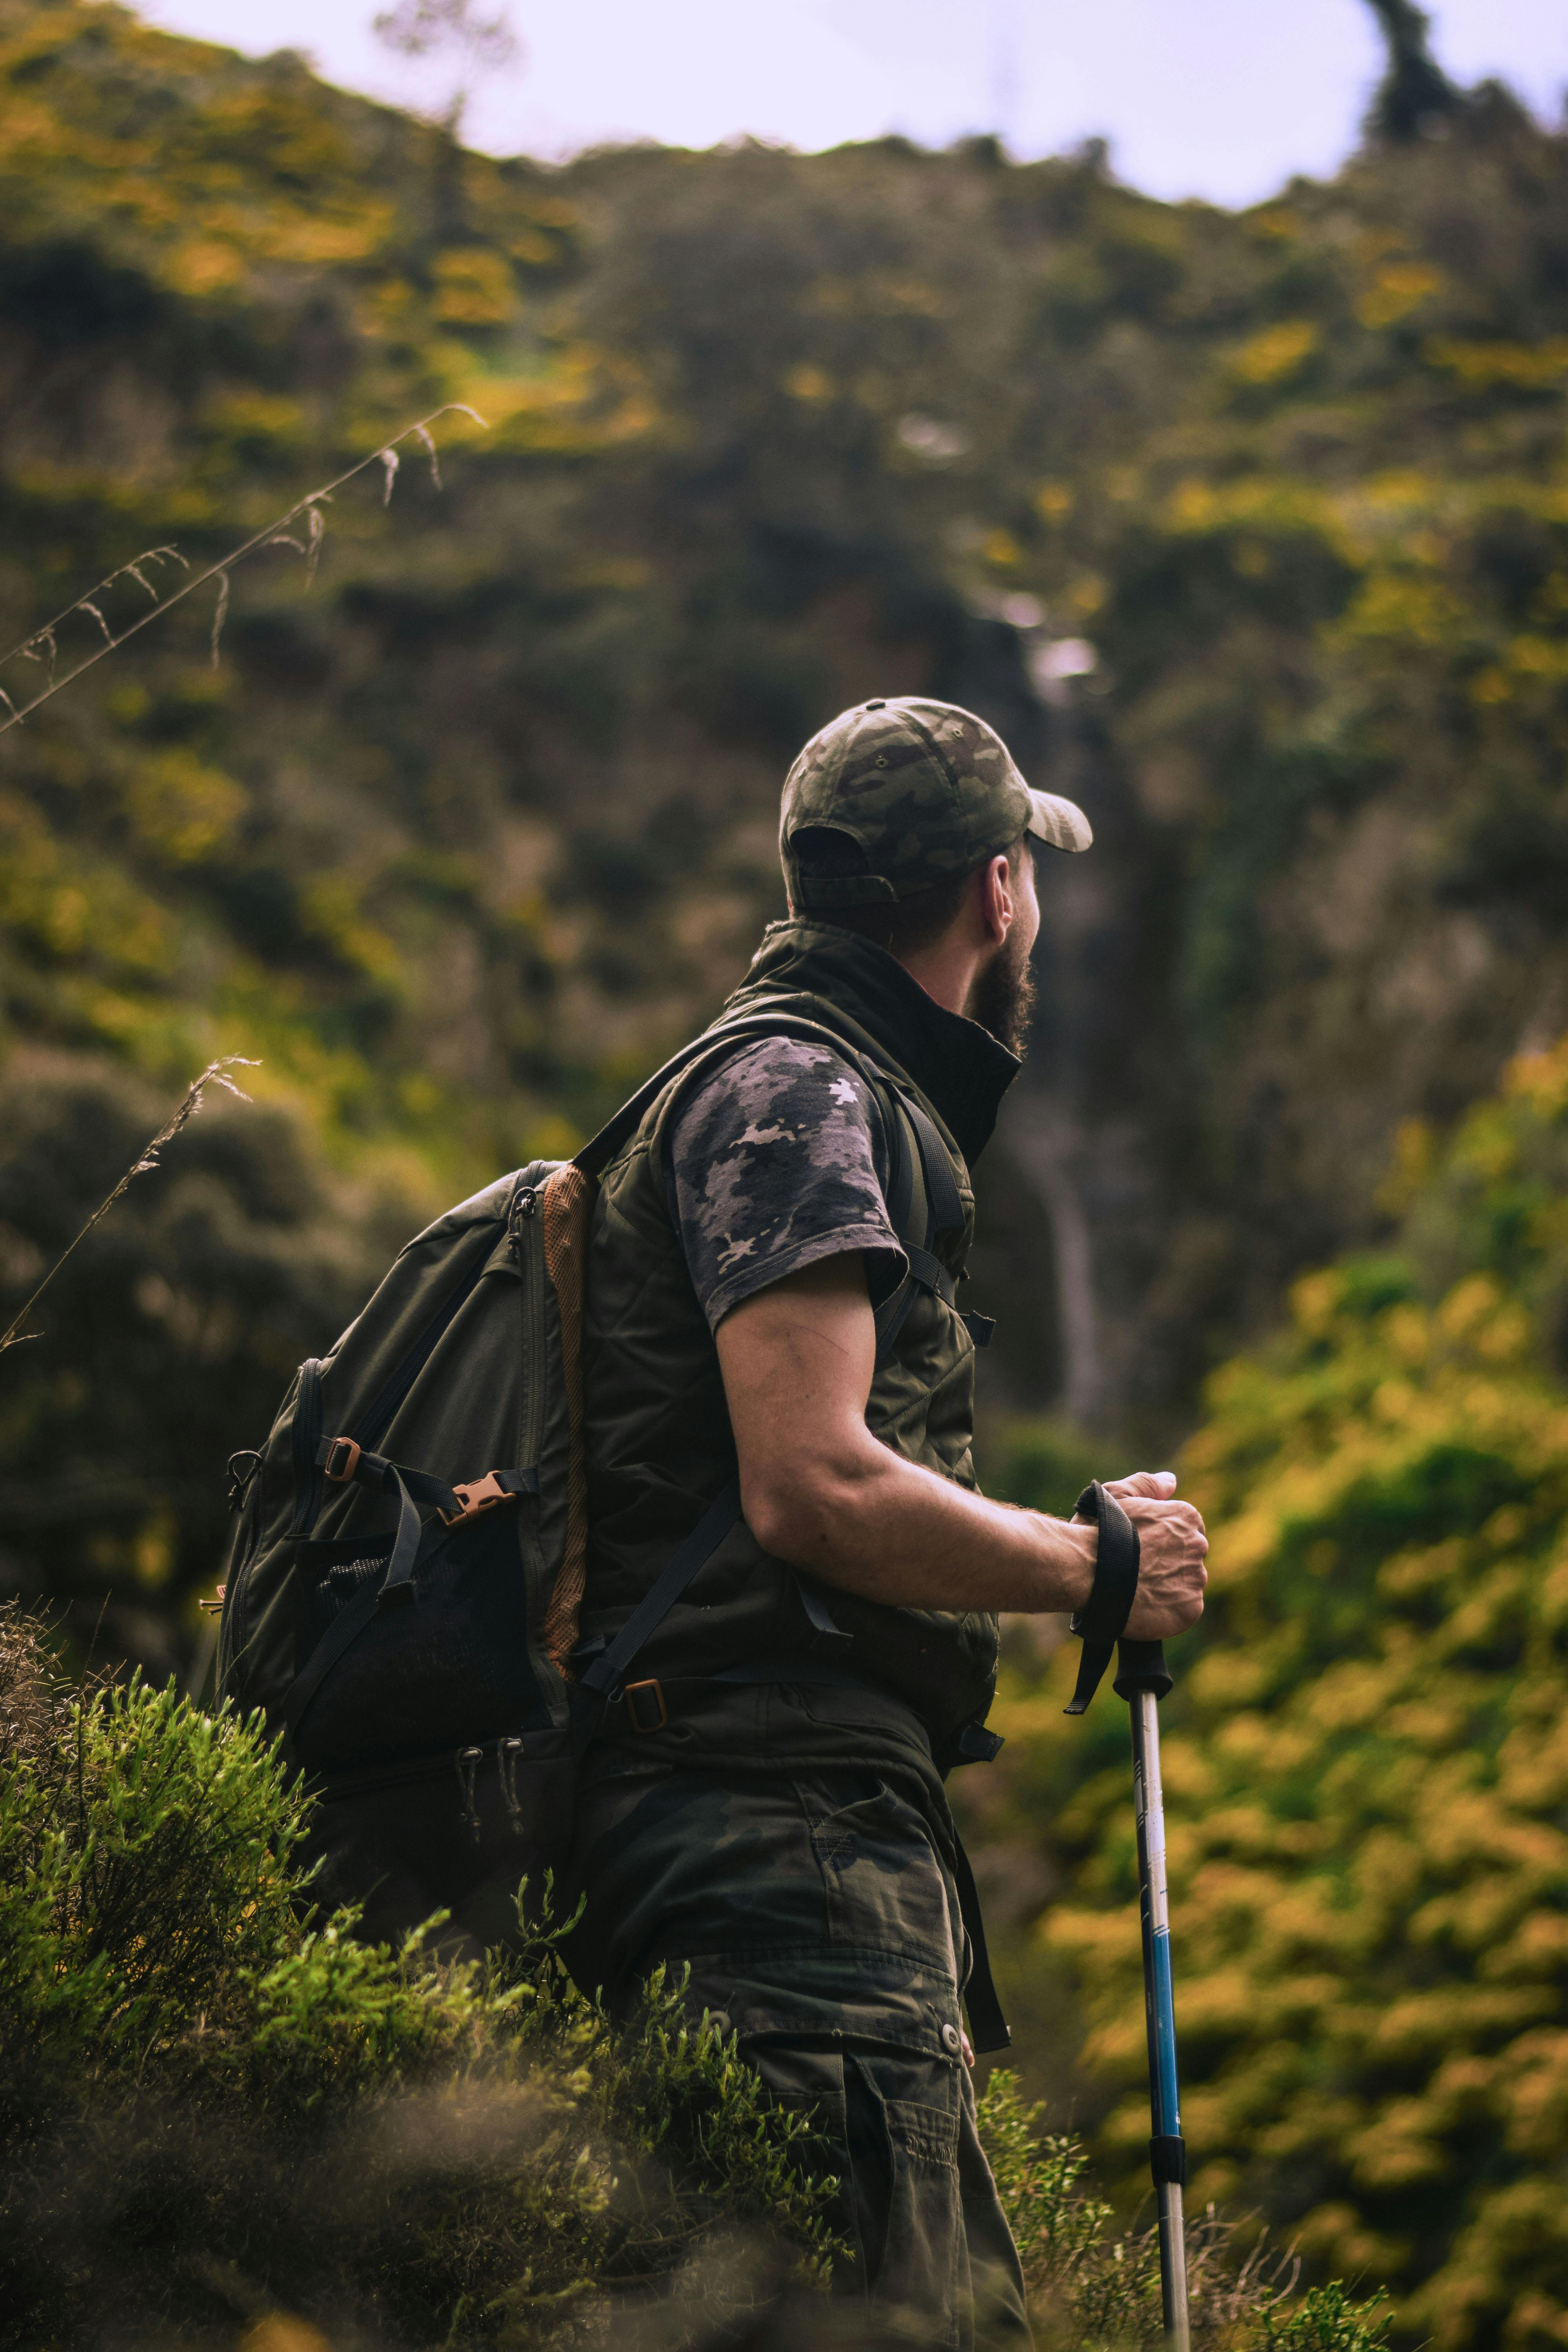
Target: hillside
[[460, 837], [1366, 1760]]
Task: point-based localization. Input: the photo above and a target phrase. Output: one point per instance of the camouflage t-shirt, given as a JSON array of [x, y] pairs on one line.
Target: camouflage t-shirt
[[778, 1160]]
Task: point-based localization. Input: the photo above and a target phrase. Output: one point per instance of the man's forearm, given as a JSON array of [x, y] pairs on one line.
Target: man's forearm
[[820, 1491], [876, 1525]]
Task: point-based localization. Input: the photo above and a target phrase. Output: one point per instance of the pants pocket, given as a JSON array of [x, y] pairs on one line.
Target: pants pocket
[[925, 2263], [884, 1888]]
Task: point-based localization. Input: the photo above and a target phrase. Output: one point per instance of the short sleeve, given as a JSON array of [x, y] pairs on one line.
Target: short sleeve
[[775, 1161]]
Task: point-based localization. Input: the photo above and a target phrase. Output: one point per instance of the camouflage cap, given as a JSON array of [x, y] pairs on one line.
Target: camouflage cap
[[927, 790]]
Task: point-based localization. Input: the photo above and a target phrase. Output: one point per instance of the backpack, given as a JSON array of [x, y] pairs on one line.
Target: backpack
[[402, 1592]]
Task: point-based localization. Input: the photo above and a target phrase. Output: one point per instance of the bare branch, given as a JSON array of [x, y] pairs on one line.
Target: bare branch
[[390, 460], [216, 1074]]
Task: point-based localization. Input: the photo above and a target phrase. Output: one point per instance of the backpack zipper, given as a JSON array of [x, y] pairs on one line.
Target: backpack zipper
[[527, 1249]]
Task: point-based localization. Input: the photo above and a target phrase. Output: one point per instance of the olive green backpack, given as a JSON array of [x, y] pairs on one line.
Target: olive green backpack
[[402, 1593]]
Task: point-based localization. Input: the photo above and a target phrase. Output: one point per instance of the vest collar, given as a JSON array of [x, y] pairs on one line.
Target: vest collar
[[958, 1065]]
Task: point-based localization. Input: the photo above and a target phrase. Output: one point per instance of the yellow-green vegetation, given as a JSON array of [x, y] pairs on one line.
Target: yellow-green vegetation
[[460, 835], [1250, 531], [1366, 1760], [218, 2108]]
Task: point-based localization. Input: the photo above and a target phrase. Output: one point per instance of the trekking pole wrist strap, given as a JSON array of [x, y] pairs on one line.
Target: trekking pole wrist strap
[[1100, 1621]]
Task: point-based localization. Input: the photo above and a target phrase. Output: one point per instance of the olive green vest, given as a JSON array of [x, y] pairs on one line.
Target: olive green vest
[[659, 1446]]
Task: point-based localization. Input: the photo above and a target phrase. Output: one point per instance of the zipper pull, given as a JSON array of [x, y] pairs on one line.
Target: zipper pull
[[525, 1205]]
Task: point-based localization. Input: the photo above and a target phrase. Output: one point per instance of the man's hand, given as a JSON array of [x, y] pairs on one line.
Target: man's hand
[[1172, 1548]]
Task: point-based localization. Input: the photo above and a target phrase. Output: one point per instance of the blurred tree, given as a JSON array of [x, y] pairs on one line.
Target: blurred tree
[[165, 1343], [480, 45], [1415, 96]]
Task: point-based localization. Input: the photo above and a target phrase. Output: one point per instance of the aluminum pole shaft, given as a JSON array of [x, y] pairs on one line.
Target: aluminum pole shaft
[[1159, 2006]]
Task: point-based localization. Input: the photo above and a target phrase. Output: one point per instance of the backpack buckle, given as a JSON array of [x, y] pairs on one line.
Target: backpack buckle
[[339, 1460], [639, 1706], [477, 1495]]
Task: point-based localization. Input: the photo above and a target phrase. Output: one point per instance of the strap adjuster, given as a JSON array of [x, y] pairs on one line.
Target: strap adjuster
[[640, 1706], [475, 1497], [339, 1460]]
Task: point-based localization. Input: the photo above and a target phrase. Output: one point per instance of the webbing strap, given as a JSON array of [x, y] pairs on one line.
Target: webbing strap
[[604, 1675], [346, 1628], [942, 1187], [944, 1213], [931, 1274], [1100, 1621], [304, 1436], [988, 2029], [823, 1626], [410, 1487], [714, 1044]]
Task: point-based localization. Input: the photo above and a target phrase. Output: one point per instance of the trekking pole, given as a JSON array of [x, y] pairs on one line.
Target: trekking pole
[[1142, 1679]]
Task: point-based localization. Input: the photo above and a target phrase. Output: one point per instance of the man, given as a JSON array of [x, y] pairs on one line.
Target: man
[[771, 1288]]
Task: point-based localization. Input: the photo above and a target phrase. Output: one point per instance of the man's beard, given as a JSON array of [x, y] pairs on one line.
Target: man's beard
[[1003, 997]]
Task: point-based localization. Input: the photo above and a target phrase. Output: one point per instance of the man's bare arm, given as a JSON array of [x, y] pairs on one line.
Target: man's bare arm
[[821, 1492]]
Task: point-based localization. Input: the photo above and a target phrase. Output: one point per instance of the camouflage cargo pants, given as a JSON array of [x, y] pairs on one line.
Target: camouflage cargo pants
[[820, 1927]]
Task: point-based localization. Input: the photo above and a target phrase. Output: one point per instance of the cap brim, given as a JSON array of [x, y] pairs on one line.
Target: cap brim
[[1061, 822]]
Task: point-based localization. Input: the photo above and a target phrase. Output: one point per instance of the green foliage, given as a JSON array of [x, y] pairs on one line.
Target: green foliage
[[215, 2102], [168, 1337], [1097, 2288], [218, 2104], [462, 836], [1365, 1761]]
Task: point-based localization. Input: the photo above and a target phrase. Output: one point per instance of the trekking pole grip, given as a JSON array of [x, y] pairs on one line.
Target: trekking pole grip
[[1141, 1667]]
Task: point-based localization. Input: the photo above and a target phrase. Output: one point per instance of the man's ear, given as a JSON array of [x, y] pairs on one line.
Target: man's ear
[[998, 899]]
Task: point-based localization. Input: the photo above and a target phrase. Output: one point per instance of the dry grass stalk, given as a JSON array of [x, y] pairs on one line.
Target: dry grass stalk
[[43, 643], [216, 1074]]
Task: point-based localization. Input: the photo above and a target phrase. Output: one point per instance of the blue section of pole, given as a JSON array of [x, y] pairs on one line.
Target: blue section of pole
[[1142, 1681], [1165, 2097]]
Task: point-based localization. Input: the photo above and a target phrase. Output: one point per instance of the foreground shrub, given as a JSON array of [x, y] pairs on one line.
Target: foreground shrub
[[1094, 2284], [211, 2106], [217, 2109]]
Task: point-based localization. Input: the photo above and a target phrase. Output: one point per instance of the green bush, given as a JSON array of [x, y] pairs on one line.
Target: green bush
[[214, 2102], [218, 2106], [1092, 2285]]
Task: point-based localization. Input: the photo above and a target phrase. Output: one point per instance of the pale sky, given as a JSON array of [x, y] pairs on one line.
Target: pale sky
[[1223, 99]]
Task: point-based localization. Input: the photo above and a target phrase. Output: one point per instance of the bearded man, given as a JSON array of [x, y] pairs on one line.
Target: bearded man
[[778, 1375]]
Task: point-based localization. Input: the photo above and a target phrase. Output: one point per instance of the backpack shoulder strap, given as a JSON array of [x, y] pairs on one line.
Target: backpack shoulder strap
[[711, 1047]]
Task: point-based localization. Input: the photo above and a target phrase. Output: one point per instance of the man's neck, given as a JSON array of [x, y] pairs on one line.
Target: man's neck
[[946, 971]]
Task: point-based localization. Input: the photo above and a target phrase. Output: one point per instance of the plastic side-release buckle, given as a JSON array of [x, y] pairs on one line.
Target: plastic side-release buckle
[[339, 1459], [477, 1495], [642, 1700]]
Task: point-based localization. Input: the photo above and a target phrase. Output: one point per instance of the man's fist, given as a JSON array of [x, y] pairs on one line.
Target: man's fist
[[1172, 1548]]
